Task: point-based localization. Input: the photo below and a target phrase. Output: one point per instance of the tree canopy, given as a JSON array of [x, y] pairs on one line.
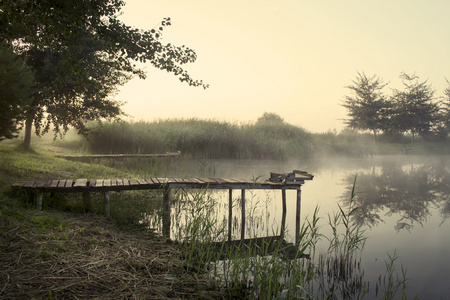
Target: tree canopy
[[414, 109], [16, 81], [81, 52], [367, 106]]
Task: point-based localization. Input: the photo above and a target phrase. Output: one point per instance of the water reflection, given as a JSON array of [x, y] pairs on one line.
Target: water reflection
[[406, 191]]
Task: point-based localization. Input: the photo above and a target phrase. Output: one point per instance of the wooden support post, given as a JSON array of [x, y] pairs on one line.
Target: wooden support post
[[39, 200], [230, 213], [107, 205], [297, 216], [283, 217], [243, 215], [166, 211], [86, 201]]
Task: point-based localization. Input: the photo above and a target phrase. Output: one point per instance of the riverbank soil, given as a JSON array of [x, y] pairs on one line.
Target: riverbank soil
[[57, 255]]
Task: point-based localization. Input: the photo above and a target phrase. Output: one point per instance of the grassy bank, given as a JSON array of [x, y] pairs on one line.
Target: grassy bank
[[63, 253]]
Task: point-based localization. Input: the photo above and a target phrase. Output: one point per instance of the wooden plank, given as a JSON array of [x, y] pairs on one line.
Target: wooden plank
[[232, 180], [98, 182], [41, 184], [119, 182], [62, 183], [196, 180], [155, 180], [54, 183], [208, 180], [162, 180], [19, 183], [107, 182], [49, 183], [69, 183], [149, 181], [142, 181], [134, 182], [80, 183], [218, 180], [29, 184], [126, 182], [113, 182], [188, 180], [176, 180], [91, 183]]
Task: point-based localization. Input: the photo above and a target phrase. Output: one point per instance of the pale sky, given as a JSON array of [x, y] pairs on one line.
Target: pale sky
[[290, 57]]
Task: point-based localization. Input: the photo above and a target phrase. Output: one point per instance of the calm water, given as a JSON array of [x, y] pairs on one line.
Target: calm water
[[404, 201]]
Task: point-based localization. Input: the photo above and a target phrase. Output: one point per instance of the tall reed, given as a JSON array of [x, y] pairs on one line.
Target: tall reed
[[197, 138]]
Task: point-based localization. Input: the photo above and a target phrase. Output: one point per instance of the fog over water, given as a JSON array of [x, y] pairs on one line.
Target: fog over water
[[404, 207]]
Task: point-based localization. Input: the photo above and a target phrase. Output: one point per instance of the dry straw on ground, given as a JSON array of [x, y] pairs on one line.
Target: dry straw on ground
[[85, 256]]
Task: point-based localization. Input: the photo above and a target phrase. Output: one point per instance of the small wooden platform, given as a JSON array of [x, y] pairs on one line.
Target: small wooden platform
[[278, 181], [118, 156]]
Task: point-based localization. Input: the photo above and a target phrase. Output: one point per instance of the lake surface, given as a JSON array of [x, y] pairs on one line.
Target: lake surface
[[404, 206]]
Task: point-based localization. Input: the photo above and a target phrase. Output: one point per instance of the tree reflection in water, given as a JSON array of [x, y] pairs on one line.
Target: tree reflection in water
[[408, 192]]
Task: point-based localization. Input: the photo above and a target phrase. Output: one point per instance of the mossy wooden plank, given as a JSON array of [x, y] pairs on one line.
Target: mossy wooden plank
[[80, 183]]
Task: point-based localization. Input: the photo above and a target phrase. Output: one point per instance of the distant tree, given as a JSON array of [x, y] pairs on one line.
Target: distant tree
[[80, 52], [444, 115], [367, 107], [16, 81], [415, 107], [269, 119]]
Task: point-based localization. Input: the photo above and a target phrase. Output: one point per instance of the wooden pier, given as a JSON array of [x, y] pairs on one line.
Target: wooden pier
[[277, 181]]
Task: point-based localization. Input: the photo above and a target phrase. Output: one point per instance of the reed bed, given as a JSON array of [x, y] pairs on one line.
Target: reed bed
[[205, 139]]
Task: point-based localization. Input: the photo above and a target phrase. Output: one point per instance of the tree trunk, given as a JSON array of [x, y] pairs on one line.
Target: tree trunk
[[28, 127]]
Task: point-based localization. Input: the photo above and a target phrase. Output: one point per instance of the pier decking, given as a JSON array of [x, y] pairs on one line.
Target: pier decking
[[278, 181]]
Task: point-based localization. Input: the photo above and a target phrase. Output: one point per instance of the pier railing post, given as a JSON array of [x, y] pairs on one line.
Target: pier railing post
[[243, 215], [166, 211], [297, 216]]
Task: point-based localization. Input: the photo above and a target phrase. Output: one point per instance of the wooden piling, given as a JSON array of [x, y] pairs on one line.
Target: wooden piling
[[86, 201], [166, 211], [230, 212], [283, 217], [243, 214], [39, 200], [107, 205], [297, 217]]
